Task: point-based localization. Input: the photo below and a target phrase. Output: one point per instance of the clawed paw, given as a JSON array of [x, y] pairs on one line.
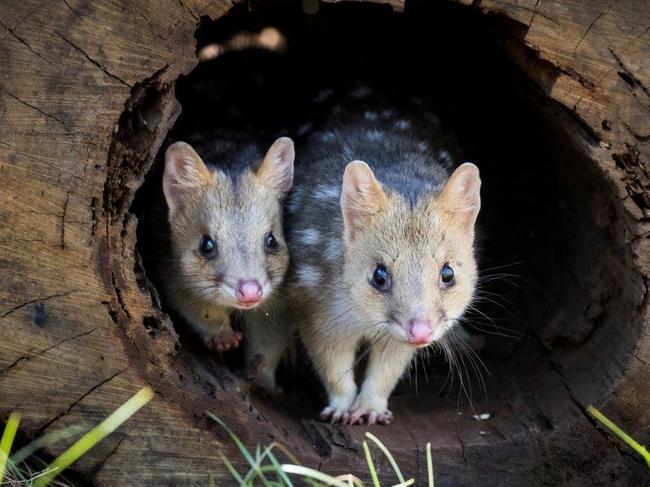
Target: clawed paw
[[366, 415], [335, 415], [223, 341], [337, 410]]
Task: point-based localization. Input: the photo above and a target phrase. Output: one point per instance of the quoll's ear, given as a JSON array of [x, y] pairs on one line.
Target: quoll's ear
[[361, 198], [462, 194], [185, 172], [276, 170]]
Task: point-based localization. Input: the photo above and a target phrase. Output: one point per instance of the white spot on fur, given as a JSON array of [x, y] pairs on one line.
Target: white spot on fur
[[327, 136], [360, 92], [333, 250], [369, 115], [375, 135], [304, 128], [445, 157], [323, 95], [294, 202], [387, 113], [326, 192], [309, 236], [402, 124], [309, 276], [423, 147]]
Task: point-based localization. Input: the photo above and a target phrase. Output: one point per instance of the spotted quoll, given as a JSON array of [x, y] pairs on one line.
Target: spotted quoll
[[382, 242], [228, 250]]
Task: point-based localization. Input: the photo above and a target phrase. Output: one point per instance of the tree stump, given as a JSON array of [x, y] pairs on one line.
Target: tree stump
[[86, 99]]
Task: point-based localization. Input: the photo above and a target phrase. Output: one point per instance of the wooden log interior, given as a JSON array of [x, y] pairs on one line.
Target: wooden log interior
[[87, 96]]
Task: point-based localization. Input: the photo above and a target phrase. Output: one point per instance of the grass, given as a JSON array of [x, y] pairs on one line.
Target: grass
[[640, 449], [264, 467], [15, 469]]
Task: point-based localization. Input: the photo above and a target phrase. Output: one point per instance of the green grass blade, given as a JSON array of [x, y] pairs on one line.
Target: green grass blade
[[233, 471], [429, 465], [405, 483], [314, 474], [7, 441], [242, 448], [371, 466], [640, 449], [392, 461], [48, 439], [286, 451], [278, 468], [95, 435]]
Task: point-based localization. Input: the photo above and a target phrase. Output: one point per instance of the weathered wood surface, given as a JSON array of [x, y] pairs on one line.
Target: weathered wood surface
[[67, 70], [79, 332], [593, 57]]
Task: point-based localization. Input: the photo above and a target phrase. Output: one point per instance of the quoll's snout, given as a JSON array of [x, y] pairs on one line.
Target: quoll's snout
[[249, 291], [420, 332]]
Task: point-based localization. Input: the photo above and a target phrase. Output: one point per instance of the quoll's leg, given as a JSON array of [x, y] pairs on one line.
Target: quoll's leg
[[386, 365], [267, 335], [335, 365], [214, 327], [224, 340]]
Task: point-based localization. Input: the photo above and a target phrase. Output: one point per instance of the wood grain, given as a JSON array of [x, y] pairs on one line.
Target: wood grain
[[81, 330]]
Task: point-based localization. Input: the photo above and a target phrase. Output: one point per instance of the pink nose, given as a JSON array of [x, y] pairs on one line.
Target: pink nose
[[420, 332], [249, 291]]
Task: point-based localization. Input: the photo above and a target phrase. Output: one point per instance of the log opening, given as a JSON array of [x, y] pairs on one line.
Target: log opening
[[575, 302]]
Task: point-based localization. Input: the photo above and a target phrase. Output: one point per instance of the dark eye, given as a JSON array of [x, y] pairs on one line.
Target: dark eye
[[208, 247], [270, 242], [447, 274], [381, 278]]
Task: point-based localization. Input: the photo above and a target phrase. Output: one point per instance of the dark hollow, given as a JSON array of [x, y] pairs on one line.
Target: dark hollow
[[556, 310]]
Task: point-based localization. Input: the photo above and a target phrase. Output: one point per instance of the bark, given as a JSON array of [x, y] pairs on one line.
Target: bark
[[86, 99]]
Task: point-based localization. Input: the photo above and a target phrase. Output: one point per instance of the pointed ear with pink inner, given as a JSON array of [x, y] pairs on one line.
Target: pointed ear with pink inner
[[362, 197], [276, 170], [185, 172], [461, 195]]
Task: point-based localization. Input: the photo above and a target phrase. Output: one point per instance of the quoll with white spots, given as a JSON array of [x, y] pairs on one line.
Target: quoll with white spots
[[388, 266]]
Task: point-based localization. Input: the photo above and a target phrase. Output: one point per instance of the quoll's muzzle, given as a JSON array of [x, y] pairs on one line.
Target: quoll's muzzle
[[249, 292], [420, 332]]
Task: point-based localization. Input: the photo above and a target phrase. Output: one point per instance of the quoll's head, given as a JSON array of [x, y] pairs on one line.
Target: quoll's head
[[410, 268], [226, 231]]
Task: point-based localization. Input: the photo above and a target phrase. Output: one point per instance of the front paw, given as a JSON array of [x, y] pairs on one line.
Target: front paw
[[223, 341], [337, 410], [369, 409]]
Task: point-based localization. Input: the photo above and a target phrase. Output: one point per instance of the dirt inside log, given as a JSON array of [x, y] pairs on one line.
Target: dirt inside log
[[562, 315]]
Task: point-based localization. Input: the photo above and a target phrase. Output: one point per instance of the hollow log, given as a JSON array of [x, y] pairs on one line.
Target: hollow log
[[86, 100]]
